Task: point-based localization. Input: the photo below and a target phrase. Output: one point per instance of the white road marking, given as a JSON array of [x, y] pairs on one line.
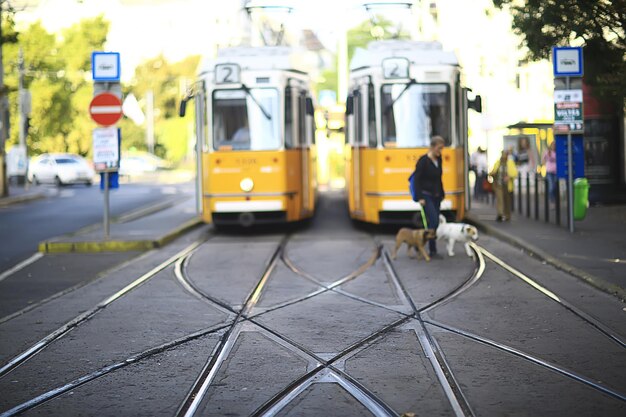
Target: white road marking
[[20, 266]]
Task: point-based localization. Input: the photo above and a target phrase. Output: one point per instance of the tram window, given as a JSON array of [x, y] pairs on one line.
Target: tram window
[[358, 118], [458, 111], [289, 142], [371, 117], [410, 118], [301, 120], [244, 121]]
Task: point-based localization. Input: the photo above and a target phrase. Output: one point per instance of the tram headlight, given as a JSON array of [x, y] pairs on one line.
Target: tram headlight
[[246, 185]]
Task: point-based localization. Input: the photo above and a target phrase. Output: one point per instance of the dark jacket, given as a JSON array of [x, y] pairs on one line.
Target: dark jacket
[[428, 178]]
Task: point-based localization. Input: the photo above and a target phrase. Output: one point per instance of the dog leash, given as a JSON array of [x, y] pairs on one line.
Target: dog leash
[[424, 222]]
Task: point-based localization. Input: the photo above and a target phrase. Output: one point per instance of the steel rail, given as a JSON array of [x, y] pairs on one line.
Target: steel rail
[[282, 398], [56, 392], [531, 358], [78, 286], [196, 394], [602, 328], [78, 320], [456, 398]]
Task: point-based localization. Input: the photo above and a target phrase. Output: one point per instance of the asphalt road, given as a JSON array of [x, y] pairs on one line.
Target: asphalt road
[[23, 226]]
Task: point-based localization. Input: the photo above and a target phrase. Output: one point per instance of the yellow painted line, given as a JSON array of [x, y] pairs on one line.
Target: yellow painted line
[[95, 246]]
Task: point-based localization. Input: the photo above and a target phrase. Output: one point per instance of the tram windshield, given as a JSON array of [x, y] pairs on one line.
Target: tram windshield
[[246, 119], [413, 113]]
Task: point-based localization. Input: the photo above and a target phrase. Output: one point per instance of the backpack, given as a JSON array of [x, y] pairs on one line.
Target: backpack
[[413, 187]]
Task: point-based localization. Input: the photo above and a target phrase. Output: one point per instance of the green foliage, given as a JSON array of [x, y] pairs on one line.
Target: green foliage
[[167, 82], [56, 71], [600, 25], [57, 75]]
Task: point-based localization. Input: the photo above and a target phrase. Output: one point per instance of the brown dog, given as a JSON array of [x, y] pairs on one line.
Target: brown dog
[[414, 239]]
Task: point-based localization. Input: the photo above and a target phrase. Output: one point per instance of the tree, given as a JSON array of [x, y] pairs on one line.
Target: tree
[[358, 37], [56, 75], [165, 80], [598, 25]]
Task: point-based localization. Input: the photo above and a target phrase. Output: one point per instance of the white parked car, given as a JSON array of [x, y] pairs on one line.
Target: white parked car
[[60, 169], [141, 163]]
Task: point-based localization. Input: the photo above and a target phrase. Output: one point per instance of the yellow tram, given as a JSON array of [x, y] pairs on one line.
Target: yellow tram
[[401, 93], [254, 118]]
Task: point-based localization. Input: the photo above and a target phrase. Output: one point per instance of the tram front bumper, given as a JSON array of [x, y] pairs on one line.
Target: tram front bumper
[[249, 212]]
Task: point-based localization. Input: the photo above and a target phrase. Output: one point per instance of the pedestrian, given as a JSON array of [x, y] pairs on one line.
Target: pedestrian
[[549, 160], [429, 187], [478, 164], [524, 157], [504, 173]]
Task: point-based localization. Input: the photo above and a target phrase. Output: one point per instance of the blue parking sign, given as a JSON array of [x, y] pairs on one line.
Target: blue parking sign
[[114, 180], [578, 158]]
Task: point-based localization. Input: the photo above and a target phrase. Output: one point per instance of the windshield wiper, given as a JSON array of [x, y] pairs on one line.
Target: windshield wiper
[[265, 113], [406, 87]]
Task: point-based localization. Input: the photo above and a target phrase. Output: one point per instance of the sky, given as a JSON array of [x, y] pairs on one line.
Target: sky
[[142, 29]]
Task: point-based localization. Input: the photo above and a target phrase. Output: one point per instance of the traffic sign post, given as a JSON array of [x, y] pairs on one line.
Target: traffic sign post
[[568, 111], [106, 110], [106, 159]]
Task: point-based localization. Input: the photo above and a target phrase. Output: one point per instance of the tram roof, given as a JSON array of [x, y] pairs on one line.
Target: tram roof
[[259, 58], [418, 52]]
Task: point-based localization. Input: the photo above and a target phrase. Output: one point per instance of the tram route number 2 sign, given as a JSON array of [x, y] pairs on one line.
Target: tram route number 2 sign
[[106, 148], [568, 111]]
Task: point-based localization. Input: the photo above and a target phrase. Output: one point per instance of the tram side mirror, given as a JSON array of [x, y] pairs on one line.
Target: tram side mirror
[[349, 105], [476, 104], [310, 110], [183, 107]]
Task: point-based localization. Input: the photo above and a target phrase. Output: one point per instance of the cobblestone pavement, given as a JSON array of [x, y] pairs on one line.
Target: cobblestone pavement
[[318, 321]]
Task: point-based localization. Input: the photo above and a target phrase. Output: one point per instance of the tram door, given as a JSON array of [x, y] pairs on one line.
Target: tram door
[[201, 130], [304, 151], [357, 127]]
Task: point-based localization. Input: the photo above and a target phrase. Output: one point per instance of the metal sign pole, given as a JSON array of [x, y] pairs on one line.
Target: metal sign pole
[[570, 175], [106, 205]]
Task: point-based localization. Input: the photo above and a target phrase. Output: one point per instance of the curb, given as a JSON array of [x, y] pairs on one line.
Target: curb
[[129, 215], [95, 246], [597, 282], [9, 201]]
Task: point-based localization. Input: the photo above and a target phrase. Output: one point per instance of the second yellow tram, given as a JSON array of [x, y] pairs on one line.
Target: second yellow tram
[[254, 119], [401, 93]]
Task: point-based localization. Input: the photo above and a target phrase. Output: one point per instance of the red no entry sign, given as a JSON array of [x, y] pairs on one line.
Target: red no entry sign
[[105, 109]]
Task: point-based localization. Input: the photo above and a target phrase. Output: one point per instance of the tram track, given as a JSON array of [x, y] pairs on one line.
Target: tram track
[[179, 266], [199, 388], [146, 354], [531, 358], [222, 351], [322, 370], [593, 322], [87, 315], [78, 286], [458, 401]]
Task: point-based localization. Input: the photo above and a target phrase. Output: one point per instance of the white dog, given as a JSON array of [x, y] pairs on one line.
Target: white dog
[[454, 232]]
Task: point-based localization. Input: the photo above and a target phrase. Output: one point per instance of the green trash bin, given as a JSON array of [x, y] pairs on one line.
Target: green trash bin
[[581, 198]]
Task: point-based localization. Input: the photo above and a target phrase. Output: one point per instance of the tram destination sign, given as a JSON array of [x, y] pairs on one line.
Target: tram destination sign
[[227, 74], [396, 68], [568, 111]]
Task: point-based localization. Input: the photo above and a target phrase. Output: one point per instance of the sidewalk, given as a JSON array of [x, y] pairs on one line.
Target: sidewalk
[[596, 252], [19, 194], [148, 230]]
